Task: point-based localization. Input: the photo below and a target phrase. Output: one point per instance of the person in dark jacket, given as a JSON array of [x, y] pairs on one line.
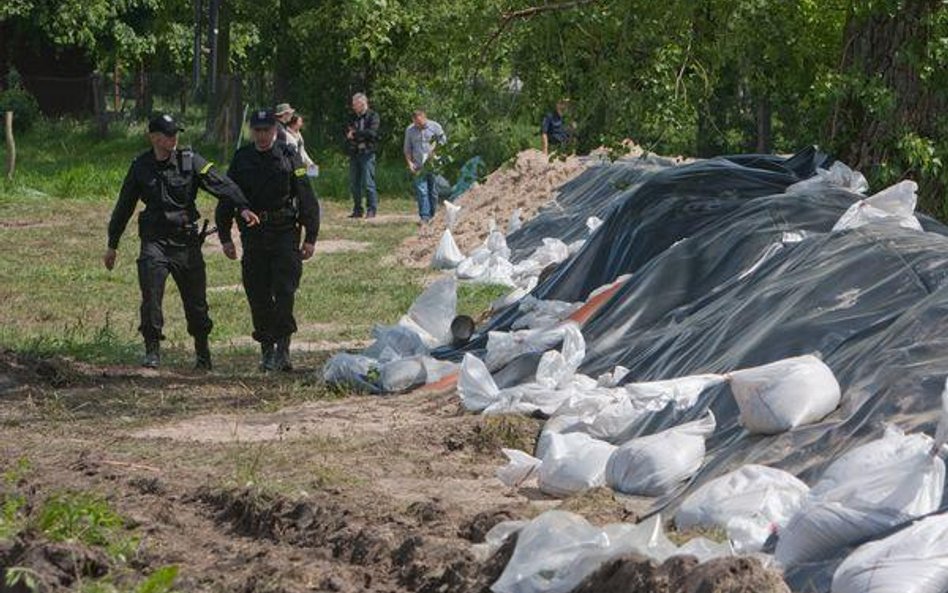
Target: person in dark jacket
[[167, 179], [555, 133], [273, 177], [362, 136]]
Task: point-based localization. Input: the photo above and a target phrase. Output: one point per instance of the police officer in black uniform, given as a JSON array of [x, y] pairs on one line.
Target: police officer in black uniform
[[273, 177], [166, 178]]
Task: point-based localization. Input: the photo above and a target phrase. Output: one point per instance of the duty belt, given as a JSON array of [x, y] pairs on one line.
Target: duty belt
[[282, 215]]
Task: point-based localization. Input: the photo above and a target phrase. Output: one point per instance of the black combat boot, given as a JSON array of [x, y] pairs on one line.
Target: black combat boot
[[152, 354], [267, 357], [202, 354], [281, 359]]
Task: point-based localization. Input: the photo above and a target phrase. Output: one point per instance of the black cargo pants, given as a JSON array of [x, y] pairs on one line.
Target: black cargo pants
[[271, 267], [182, 259]]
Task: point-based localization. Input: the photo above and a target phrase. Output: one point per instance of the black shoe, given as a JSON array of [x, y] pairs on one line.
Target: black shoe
[[356, 214], [370, 214], [152, 354], [267, 353], [281, 360], [202, 354]]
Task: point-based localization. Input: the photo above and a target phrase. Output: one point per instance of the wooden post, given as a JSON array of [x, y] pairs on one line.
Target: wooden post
[[11, 145]]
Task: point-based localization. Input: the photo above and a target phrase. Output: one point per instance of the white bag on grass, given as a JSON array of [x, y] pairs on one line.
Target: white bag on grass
[[914, 560], [782, 395], [895, 205], [432, 313], [653, 465], [573, 463], [750, 504], [447, 256], [863, 493]]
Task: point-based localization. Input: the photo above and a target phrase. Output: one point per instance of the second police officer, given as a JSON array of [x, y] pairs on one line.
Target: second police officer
[[272, 176]]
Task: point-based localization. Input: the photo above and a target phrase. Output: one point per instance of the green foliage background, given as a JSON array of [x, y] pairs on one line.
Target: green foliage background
[[678, 77]]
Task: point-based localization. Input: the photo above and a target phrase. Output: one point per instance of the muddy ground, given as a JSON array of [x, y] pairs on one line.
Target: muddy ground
[[273, 484]]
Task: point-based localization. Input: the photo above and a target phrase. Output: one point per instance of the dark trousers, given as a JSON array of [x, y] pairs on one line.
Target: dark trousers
[[362, 180], [271, 267], [183, 260]]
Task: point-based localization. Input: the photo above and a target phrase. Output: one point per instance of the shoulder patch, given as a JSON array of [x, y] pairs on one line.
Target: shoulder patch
[[300, 172], [206, 168]]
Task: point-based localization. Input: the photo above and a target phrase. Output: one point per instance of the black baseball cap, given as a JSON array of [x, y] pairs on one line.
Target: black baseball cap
[[164, 124], [262, 118]]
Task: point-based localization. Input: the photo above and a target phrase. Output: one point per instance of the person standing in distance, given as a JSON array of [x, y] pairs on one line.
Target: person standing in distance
[[273, 177], [362, 137], [422, 138], [554, 132], [167, 179], [284, 112]]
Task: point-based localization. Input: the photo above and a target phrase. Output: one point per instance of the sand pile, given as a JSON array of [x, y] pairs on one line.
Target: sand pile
[[528, 183]]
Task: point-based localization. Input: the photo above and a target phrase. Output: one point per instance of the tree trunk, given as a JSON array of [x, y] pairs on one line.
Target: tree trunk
[[879, 47]]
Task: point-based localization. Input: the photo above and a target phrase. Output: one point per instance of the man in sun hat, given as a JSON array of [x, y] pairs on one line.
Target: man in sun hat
[[166, 178], [273, 177], [284, 112]]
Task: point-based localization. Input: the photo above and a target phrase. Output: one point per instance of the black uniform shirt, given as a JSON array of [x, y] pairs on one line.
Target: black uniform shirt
[[274, 181], [168, 189]]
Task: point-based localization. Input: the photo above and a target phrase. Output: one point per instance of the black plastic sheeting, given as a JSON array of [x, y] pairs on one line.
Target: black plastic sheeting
[[591, 193], [729, 272], [660, 209]]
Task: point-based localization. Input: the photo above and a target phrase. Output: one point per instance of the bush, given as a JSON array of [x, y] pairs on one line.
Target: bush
[[23, 105]]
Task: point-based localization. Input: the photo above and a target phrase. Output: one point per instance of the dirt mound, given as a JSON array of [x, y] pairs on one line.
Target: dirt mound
[[527, 183], [54, 566], [683, 574]]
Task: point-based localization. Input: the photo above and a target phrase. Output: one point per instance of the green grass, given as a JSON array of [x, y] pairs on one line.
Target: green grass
[[59, 299]]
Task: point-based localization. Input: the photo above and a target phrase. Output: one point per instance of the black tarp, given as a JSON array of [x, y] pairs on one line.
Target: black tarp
[[662, 208], [724, 279]]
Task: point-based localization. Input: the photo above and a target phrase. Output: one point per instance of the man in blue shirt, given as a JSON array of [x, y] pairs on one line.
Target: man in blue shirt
[[554, 131], [422, 138]]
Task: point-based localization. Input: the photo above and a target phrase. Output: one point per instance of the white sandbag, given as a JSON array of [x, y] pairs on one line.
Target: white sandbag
[[476, 386], [863, 493], [405, 373], [613, 377], [496, 243], [613, 414], [519, 469], [838, 175], [893, 205], [503, 347], [575, 246], [573, 463], [914, 560], [393, 342], [750, 504], [782, 395], [515, 223], [536, 313], [348, 369], [558, 367], [653, 465], [452, 212], [593, 223], [557, 550], [682, 391], [447, 256], [432, 313]]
